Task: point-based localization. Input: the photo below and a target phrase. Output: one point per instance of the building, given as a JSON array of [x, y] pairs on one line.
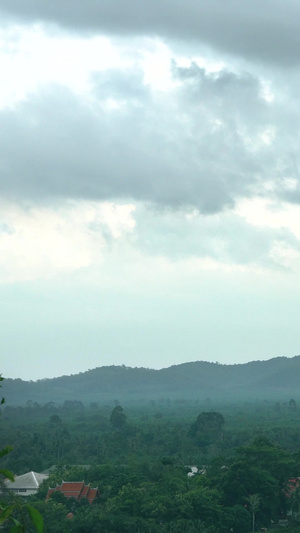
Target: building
[[75, 489], [27, 484]]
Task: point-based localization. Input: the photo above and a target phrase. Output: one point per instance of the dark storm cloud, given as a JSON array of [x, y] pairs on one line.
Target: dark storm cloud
[[199, 145], [265, 31], [55, 145]]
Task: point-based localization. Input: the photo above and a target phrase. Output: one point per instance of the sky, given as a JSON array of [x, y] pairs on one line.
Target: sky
[[149, 183]]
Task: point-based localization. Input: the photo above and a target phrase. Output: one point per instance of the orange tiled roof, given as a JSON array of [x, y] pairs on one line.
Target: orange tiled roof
[[85, 491], [92, 494], [75, 489]]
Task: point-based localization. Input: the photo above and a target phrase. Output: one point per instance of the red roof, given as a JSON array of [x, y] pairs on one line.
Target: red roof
[[93, 494], [85, 490], [75, 489], [292, 485]]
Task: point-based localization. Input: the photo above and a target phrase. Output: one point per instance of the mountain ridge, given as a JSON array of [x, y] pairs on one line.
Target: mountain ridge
[[274, 377]]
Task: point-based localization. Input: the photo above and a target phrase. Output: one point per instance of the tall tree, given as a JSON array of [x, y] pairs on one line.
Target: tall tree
[[118, 418], [254, 504]]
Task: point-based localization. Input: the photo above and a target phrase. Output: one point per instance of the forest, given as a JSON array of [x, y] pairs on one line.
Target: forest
[[160, 465]]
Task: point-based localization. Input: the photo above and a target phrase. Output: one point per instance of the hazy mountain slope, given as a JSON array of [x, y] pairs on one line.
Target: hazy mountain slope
[[200, 379]]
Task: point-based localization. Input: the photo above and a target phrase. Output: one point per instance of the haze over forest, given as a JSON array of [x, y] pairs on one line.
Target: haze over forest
[[276, 379]]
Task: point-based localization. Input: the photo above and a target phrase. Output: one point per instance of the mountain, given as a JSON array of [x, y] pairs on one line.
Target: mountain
[[276, 378]]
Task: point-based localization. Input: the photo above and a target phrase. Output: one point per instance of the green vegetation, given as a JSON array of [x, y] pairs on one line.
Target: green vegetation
[[15, 515], [139, 455]]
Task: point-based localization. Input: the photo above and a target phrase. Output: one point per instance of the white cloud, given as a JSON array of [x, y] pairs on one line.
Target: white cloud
[[33, 57], [272, 214], [42, 242]]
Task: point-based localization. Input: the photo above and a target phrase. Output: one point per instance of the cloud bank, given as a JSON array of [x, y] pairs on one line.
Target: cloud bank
[[149, 183], [212, 139], [259, 31]]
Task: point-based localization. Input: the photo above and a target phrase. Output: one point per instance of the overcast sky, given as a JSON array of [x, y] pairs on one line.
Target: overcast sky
[[149, 183]]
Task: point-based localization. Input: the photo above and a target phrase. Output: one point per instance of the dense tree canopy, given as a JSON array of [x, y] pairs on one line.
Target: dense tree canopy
[[164, 466]]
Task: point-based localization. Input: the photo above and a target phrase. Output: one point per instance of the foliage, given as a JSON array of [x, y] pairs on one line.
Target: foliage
[[11, 509], [118, 418], [208, 428], [140, 462]]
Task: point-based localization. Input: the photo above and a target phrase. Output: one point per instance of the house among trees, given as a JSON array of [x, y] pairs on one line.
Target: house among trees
[[27, 484], [75, 489]]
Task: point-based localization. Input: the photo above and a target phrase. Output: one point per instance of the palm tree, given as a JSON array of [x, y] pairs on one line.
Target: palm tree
[[254, 504]]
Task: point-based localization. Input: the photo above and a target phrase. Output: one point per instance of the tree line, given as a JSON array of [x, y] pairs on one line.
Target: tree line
[[140, 457]]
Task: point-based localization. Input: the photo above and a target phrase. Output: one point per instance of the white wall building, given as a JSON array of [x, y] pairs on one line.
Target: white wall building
[[27, 484]]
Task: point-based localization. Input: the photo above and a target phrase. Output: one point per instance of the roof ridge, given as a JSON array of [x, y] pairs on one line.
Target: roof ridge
[[34, 478]]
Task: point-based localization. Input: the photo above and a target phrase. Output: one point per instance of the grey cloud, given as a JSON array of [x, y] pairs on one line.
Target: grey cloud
[[196, 146], [228, 239], [262, 31], [232, 95]]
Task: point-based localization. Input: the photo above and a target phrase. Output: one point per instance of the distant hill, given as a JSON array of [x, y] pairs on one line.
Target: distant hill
[[277, 378]]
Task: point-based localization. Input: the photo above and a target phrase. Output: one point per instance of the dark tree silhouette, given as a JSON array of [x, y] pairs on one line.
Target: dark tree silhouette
[[118, 418]]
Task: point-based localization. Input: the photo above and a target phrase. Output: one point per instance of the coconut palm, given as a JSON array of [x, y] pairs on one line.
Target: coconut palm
[[254, 504]]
